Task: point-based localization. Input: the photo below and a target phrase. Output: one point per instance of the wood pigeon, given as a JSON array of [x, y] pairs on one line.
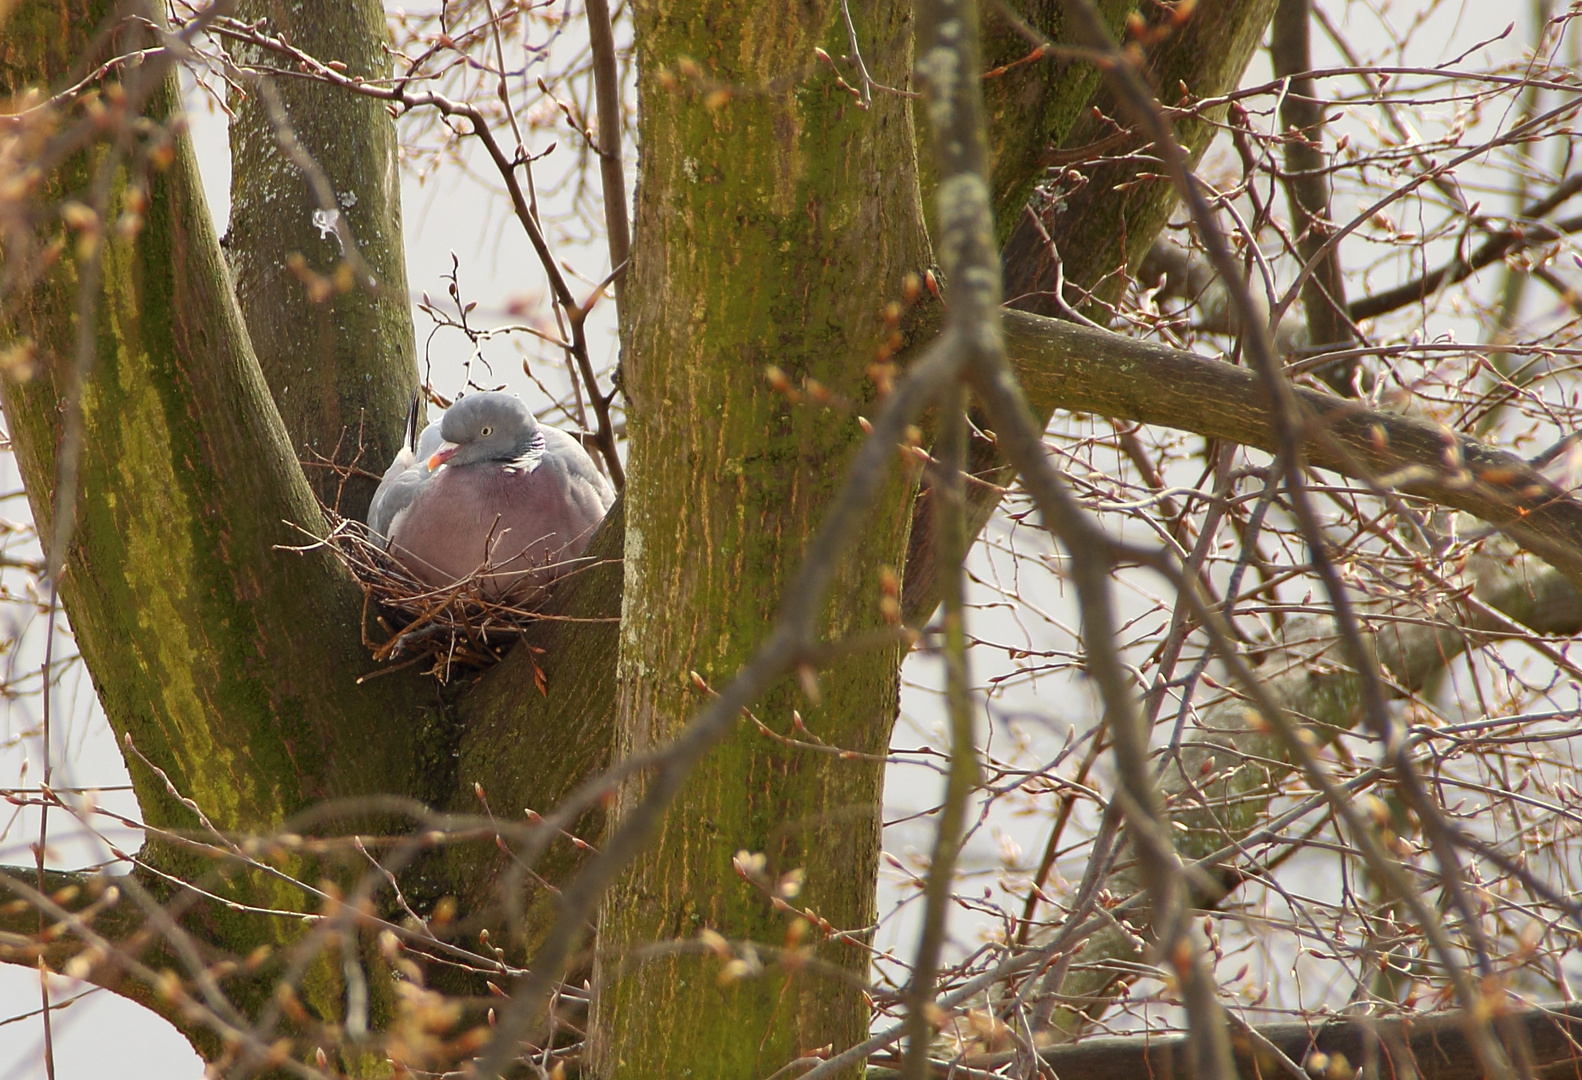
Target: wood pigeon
[[487, 488]]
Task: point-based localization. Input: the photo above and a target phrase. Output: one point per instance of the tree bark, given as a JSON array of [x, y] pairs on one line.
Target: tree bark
[[1105, 218], [341, 368], [1031, 106], [770, 229], [529, 750], [229, 661]]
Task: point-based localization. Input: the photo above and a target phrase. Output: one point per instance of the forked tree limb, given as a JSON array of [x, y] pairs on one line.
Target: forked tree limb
[[188, 612]]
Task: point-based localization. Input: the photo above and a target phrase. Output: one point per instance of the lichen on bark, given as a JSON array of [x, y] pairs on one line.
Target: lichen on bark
[[770, 229]]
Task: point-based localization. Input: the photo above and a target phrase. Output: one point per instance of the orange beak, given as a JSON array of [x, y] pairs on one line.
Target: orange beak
[[442, 455]]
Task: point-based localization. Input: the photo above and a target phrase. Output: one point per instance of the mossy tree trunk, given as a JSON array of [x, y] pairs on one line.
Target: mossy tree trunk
[[770, 229], [230, 662], [341, 367]]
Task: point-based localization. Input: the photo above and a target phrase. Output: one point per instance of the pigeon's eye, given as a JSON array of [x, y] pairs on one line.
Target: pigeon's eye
[[487, 431]]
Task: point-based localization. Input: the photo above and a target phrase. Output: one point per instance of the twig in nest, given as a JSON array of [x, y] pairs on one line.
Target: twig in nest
[[457, 629]]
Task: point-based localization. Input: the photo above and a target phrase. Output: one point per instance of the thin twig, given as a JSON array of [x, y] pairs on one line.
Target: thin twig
[[948, 492], [612, 175]]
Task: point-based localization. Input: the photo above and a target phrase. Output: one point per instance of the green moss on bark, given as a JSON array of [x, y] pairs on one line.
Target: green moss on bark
[[1106, 224], [229, 661], [342, 370], [770, 229]]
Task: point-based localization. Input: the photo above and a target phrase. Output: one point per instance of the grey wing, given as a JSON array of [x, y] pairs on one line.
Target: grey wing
[[585, 480], [407, 476]]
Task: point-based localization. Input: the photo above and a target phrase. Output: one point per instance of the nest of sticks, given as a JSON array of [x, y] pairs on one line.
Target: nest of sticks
[[456, 631]]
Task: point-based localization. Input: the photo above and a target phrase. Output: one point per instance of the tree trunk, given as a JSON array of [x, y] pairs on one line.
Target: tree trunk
[[771, 228], [343, 366], [1106, 216], [227, 660]]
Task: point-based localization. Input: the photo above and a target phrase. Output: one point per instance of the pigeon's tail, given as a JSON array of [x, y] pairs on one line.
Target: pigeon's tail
[[412, 411]]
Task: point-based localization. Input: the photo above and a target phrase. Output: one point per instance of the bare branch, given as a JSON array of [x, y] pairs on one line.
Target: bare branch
[[1307, 184], [607, 82], [1077, 368]]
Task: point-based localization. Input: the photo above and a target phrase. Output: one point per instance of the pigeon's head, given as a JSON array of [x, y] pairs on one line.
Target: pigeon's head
[[485, 427]]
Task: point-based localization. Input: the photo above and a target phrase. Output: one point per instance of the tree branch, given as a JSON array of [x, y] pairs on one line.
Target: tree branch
[[76, 891], [1063, 365], [1530, 229], [607, 84], [1307, 186], [1431, 1047]]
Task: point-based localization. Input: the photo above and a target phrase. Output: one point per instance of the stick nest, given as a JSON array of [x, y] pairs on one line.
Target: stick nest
[[456, 631]]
